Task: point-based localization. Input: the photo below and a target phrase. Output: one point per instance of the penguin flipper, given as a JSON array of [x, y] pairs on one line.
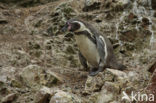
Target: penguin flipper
[[83, 61], [100, 47], [118, 66]]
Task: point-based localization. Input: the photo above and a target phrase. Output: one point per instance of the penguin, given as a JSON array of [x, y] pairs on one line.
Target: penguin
[[94, 47]]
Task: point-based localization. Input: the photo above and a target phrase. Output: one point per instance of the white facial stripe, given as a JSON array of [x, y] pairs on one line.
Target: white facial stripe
[[105, 46], [83, 28]]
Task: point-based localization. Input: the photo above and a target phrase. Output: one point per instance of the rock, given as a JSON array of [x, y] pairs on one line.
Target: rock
[[105, 97], [108, 88], [62, 12], [124, 2], [20, 58], [27, 3], [99, 18], [153, 4], [4, 90], [16, 83], [1, 83], [2, 6], [3, 21], [9, 98], [70, 50], [152, 67], [90, 2], [119, 74], [64, 97], [118, 6], [18, 12], [34, 75], [55, 17], [144, 3], [128, 35], [31, 75], [7, 74], [48, 44], [93, 97], [51, 78], [43, 95], [109, 92], [132, 76], [151, 88], [36, 53], [131, 17], [34, 45], [7, 29], [94, 84], [145, 21], [91, 5]]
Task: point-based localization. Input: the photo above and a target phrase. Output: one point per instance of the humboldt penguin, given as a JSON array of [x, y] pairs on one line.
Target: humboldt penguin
[[94, 47]]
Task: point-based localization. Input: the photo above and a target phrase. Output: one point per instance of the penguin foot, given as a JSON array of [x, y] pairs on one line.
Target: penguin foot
[[93, 72]]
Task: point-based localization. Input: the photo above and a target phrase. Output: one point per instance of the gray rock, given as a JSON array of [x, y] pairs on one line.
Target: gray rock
[[43, 95], [151, 88], [7, 74], [105, 97], [48, 44], [124, 2], [120, 75], [34, 75], [64, 97], [9, 98], [62, 12], [152, 66], [94, 83], [91, 5], [3, 21], [20, 58], [153, 4], [27, 3], [90, 2], [109, 92], [31, 75]]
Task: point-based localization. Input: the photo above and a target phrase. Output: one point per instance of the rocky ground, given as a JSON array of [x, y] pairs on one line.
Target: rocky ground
[[39, 63]]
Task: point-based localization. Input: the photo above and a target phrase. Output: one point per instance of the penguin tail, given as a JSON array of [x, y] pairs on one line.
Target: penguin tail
[[121, 67], [118, 66]]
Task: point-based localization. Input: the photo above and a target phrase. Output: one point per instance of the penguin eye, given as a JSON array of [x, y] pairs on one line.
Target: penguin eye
[[76, 26]]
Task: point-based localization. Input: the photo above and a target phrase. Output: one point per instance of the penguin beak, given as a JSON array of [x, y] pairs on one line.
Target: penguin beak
[[64, 29], [67, 27]]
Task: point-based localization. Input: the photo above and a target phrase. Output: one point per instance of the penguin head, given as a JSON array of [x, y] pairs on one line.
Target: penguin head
[[71, 25]]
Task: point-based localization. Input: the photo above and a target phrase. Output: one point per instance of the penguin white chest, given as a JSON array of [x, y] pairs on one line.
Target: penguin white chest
[[88, 49]]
